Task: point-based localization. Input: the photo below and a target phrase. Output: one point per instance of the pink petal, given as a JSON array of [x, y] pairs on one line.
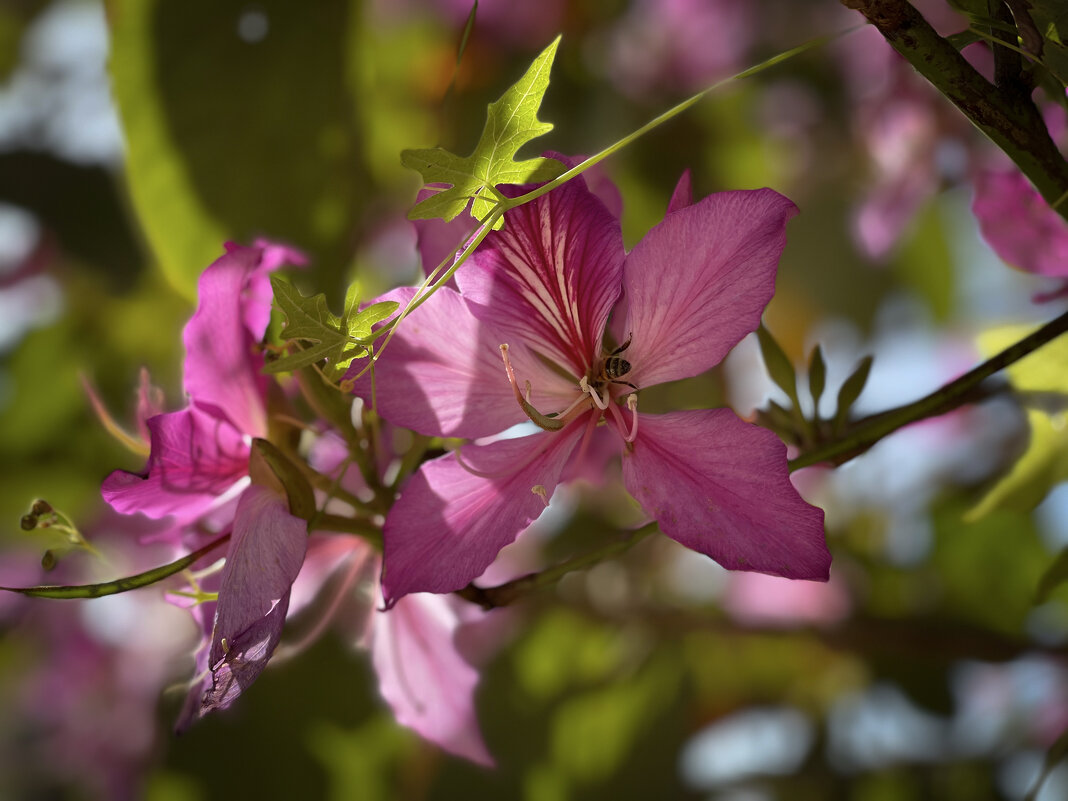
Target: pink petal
[[258, 296], [550, 277], [195, 458], [266, 552], [423, 676], [222, 370], [683, 194], [449, 524], [442, 373], [721, 487], [1019, 225], [699, 281]]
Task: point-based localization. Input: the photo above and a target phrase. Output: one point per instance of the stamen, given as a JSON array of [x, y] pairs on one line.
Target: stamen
[[541, 420], [539, 490], [632, 406], [621, 425]]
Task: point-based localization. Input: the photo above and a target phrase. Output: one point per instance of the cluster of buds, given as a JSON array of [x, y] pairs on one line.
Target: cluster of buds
[[43, 516]]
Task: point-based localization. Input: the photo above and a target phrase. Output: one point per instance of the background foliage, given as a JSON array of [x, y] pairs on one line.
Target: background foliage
[[926, 669]]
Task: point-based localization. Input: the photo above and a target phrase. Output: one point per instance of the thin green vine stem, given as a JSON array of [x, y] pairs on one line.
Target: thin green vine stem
[[510, 591], [867, 432], [671, 113], [71, 591]]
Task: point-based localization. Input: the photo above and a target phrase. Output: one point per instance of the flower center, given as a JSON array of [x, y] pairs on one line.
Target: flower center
[[595, 392]]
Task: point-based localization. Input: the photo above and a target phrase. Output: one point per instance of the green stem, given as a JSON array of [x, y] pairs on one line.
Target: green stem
[[126, 584], [504, 594], [349, 525], [1010, 119], [867, 432], [670, 114]]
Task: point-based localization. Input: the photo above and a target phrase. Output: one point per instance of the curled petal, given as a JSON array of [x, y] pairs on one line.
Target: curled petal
[[721, 487], [683, 194], [195, 459], [1019, 225], [424, 677], [222, 370], [551, 276], [266, 552], [442, 373], [699, 281], [449, 524]]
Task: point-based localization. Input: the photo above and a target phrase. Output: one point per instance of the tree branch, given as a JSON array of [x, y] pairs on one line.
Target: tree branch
[[870, 430], [1009, 119]]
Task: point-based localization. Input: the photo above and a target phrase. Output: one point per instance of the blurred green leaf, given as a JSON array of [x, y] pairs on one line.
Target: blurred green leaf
[[362, 763], [817, 378], [850, 391], [778, 364], [593, 732], [1055, 575], [563, 651], [233, 136], [1051, 20], [1045, 461], [511, 122], [924, 263]]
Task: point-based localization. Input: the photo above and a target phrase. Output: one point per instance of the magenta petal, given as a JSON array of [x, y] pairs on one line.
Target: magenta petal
[[551, 276], [442, 373], [266, 552], [1019, 225], [449, 524], [721, 487], [258, 295], [683, 194], [195, 458], [423, 676], [222, 371], [699, 281]]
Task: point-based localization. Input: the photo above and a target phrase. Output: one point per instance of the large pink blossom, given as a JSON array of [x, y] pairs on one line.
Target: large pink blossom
[[546, 286]]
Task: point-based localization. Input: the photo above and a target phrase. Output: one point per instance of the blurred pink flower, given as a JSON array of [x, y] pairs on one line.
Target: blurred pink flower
[[1019, 225]]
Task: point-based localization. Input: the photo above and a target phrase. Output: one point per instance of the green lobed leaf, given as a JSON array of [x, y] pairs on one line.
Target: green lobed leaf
[[338, 340], [778, 364], [511, 122]]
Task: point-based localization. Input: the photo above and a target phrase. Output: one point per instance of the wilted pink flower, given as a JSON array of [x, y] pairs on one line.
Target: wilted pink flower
[[545, 286], [198, 471]]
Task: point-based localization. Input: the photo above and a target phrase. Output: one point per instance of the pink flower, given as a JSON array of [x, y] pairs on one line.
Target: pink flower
[[199, 465], [546, 286], [1019, 225], [426, 673]]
